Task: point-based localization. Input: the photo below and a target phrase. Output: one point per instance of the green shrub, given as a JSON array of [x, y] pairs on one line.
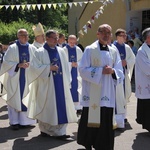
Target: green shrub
[[8, 32]]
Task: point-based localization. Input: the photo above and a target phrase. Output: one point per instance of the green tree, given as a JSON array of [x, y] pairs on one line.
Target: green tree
[[51, 18]]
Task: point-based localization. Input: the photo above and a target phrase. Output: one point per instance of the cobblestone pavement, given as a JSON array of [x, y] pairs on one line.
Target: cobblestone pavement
[[133, 137]]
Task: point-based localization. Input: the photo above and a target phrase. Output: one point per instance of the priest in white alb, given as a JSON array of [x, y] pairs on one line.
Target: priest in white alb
[[101, 70], [50, 100], [13, 75], [74, 55], [142, 81]]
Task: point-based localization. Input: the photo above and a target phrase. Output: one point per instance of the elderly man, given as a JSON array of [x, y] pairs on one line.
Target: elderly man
[[39, 35], [50, 100], [74, 55], [142, 81], [100, 69], [13, 77]]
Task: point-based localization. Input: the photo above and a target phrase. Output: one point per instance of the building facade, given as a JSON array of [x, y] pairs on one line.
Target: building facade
[[126, 14]]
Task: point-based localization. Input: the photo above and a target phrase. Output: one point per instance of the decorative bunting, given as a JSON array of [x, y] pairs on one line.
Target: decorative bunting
[[24, 6], [89, 24], [17, 6], [54, 6], [39, 6], [81, 3], [70, 5], [1, 6], [60, 4], [75, 3], [44, 6], [33, 6], [97, 14], [6, 6], [12, 7], [28, 6], [49, 5]]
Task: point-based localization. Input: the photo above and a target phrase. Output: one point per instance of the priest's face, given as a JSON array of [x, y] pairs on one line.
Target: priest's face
[[52, 40], [148, 39], [23, 36], [104, 35]]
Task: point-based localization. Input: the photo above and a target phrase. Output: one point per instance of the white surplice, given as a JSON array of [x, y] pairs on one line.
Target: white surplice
[[92, 75], [142, 72]]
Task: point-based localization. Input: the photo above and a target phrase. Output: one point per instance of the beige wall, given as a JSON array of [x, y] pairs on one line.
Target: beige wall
[[140, 4], [116, 14]]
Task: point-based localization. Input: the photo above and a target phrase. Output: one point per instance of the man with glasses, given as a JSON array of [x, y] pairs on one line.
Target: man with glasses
[[100, 69], [50, 100], [13, 77], [128, 59]]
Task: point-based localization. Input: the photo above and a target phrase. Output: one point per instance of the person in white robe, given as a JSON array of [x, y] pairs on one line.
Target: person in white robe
[[74, 55], [50, 100], [39, 35], [13, 77], [142, 81], [101, 70], [128, 60]]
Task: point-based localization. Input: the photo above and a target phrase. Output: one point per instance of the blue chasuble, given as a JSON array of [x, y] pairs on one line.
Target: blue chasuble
[[23, 57], [74, 84], [58, 84]]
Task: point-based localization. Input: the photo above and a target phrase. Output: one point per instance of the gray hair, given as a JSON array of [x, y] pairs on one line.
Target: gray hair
[[49, 32], [145, 33]]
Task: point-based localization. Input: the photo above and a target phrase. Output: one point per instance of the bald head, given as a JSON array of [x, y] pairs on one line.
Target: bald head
[[72, 40], [103, 27]]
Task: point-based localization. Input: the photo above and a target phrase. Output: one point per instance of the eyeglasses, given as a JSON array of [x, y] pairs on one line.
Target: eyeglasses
[[105, 32], [123, 35], [24, 35], [55, 38]]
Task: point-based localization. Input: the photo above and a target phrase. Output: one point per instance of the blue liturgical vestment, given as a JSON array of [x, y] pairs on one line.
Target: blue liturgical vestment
[[23, 57], [72, 55], [58, 84]]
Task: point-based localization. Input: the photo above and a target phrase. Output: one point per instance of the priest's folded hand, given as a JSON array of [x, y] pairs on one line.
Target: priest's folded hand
[[108, 70], [23, 65], [54, 68]]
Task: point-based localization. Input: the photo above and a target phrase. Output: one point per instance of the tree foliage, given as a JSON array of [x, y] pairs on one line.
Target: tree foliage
[[12, 20], [54, 18]]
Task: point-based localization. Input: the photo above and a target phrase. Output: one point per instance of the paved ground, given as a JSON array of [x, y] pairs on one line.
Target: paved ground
[[132, 138]]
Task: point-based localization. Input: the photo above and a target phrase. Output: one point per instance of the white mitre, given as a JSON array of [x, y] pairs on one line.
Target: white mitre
[[38, 30]]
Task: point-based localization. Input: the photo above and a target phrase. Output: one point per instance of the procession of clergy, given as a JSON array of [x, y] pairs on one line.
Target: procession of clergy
[[52, 81]]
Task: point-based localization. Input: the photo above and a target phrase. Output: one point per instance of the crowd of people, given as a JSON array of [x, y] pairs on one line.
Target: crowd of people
[[52, 82]]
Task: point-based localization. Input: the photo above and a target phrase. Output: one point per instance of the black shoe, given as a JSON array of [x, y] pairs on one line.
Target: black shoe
[[88, 147], [15, 127], [62, 137], [44, 134], [79, 112], [125, 120]]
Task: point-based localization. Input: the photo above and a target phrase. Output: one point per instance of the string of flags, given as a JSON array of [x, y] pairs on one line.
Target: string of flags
[[89, 23], [48, 5]]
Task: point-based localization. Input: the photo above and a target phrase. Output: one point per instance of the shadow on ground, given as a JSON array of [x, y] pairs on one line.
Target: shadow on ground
[[142, 141], [39, 142]]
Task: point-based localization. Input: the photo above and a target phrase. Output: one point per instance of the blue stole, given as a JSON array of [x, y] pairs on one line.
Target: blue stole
[[23, 57], [72, 55], [58, 84], [121, 49], [122, 52]]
